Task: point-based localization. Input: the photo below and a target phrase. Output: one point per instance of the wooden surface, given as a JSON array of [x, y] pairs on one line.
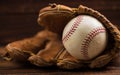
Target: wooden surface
[[10, 68], [18, 20]]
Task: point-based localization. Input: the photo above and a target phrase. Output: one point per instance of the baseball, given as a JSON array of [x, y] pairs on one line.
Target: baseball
[[84, 37]]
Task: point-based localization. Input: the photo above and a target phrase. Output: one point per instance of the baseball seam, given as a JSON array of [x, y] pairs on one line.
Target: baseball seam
[[72, 29], [88, 39]]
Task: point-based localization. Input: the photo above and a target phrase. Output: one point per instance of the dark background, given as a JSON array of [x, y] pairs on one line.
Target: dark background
[[18, 18]]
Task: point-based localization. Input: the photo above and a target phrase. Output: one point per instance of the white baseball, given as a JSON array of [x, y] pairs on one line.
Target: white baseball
[[84, 37]]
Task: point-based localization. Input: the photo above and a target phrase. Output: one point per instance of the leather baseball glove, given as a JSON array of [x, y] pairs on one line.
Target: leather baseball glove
[[48, 49], [59, 56]]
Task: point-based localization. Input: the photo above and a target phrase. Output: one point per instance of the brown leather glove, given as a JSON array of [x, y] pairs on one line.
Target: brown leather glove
[[54, 53]]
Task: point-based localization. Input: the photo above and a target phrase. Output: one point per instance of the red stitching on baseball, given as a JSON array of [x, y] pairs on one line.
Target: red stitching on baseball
[[88, 39], [73, 28]]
